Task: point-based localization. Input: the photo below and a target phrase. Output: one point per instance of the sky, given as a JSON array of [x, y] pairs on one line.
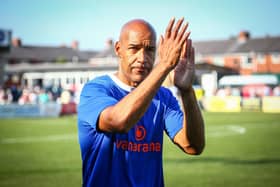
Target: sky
[[92, 22]]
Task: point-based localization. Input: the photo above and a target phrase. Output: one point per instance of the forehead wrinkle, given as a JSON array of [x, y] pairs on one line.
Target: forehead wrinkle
[[143, 42], [137, 39], [147, 43]]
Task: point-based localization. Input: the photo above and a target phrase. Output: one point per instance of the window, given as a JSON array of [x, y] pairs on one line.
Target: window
[[218, 60], [261, 58], [275, 58], [247, 61]]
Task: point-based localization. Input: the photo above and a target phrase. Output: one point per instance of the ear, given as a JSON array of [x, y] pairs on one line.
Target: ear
[[118, 49]]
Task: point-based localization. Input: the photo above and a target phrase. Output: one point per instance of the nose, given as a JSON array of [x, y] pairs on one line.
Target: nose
[[142, 56]]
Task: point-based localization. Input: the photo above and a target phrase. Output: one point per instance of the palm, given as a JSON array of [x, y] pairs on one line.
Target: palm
[[183, 75], [176, 51], [184, 72]]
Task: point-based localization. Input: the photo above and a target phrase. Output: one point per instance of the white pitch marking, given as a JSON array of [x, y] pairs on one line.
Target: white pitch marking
[[50, 138], [227, 130], [238, 129]]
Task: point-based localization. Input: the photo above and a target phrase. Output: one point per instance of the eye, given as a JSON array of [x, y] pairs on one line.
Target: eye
[[133, 49], [150, 49]]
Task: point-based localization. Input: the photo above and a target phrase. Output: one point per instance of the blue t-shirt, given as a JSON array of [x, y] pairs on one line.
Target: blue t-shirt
[[124, 159]]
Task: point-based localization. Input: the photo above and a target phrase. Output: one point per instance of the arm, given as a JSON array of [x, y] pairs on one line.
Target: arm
[[122, 116], [190, 138]]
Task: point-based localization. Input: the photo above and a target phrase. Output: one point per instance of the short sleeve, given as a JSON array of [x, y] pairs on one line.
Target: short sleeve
[[173, 116], [95, 97]]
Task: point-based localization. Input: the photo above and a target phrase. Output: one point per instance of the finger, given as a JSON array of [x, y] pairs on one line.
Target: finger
[[192, 61], [189, 49], [185, 37], [184, 50], [169, 28], [160, 40], [177, 27], [160, 44], [182, 31]]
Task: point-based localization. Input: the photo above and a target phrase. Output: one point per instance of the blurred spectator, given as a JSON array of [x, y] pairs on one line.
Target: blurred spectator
[[24, 98], [276, 91], [8, 96], [222, 92], [33, 97], [38, 95], [56, 90], [2, 96], [50, 96], [16, 93], [235, 92], [65, 97], [43, 97], [266, 91]]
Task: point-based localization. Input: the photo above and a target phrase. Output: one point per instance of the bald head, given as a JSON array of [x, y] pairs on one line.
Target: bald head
[[137, 25], [136, 51]]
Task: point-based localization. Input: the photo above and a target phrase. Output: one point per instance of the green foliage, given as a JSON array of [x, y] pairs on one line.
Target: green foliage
[[242, 150]]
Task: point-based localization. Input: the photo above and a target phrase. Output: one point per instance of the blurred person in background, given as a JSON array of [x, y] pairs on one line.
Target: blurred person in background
[[276, 90], [122, 116], [2, 96], [43, 96], [24, 97]]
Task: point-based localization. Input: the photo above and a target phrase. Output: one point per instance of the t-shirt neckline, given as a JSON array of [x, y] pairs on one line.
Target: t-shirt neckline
[[121, 84]]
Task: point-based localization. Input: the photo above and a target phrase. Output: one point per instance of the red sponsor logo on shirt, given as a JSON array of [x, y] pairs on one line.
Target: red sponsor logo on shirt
[[140, 134], [138, 147]]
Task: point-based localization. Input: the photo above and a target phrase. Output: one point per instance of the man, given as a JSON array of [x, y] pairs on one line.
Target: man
[[121, 117]]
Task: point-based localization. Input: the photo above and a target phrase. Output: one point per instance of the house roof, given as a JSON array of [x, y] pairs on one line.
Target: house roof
[[262, 45], [48, 54], [233, 45], [213, 46], [108, 52]]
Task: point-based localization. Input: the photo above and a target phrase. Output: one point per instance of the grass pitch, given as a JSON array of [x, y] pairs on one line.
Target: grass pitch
[[242, 149]]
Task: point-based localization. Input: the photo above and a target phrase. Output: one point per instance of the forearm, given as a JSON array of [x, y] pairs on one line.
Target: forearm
[[122, 116], [193, 126]]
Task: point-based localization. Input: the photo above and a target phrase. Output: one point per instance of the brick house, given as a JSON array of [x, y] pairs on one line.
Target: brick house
[[244, 54]]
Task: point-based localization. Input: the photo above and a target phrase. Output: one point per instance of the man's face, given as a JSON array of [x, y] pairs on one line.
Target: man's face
[[136, 50]]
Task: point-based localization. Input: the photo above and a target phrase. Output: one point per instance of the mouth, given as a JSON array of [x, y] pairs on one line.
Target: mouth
[[140, 70]]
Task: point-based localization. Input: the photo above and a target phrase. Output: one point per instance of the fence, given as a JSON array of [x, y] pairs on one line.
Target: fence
[[37, 110], [238, 104]]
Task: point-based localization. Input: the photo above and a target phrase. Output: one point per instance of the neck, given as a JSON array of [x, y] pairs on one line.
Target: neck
[[122, 78]]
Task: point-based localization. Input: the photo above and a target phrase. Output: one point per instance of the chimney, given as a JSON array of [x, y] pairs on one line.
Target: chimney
[[16, 42], [62, 45], [243, 36], [75, 45], [109, 44]]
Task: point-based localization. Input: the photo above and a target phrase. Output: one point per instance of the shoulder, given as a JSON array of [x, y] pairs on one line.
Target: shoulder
[[164, 93], [98, 83], [103, 79]]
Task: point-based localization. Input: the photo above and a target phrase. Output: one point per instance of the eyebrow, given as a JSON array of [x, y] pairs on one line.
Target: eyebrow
[[134, 45], [141, 45]]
